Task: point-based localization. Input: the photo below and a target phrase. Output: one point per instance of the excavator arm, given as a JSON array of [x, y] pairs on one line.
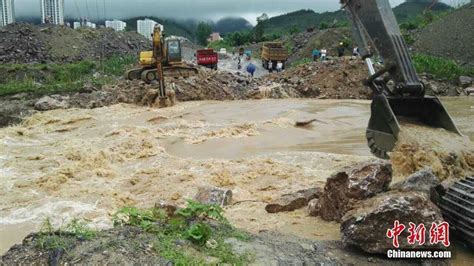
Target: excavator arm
[[398, 91]]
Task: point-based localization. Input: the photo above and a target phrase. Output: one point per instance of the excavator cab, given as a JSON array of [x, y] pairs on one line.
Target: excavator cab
[[398, 91], [174, 50]]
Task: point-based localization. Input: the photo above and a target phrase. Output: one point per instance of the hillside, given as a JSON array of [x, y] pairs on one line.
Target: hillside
[[304, 19], [409, 10], [227, 25], [301, 19], [450, 37], [27, 43], [171, 27]]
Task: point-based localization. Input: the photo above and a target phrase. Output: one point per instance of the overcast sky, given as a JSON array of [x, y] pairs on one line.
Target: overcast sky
[[182, 9]]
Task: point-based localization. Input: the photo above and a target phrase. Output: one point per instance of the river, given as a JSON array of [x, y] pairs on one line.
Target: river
[[87, 163]]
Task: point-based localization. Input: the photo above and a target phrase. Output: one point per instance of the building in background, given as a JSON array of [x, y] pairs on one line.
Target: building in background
[[145, 27], [117, 25], [52, 11], [7, 12], [215, 36], [88, 24]]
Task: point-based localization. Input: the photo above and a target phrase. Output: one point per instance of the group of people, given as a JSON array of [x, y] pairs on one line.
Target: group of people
[[322, 54], [278, 67]]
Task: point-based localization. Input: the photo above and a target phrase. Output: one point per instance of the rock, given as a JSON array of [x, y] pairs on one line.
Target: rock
[[469, 91], [47, 103], [366, 227], [465, 81], [424, 180], [168, 208], [344, 189], [293, 201], [209, 195]]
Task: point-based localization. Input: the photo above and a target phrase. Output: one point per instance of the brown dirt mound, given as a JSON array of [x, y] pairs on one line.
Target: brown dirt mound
[[337, 79], [26, 43]]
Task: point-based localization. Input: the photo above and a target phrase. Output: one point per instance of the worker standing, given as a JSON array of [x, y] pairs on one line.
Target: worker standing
[[316, 54], [279, 66], [355, 51], [251, 69], [270, 66], [323, 54], [340, 49]]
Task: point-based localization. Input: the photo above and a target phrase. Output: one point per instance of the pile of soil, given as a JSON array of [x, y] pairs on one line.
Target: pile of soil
[[336, 79], [450, 37], [26, 43]]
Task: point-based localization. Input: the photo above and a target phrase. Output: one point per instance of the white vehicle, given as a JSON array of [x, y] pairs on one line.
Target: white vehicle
[[223, 51]]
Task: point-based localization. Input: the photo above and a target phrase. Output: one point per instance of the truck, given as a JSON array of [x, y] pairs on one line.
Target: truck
[[274, 52], [208, 58]]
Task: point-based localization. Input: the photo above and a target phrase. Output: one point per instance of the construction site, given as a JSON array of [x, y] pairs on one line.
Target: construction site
[[322, 146]]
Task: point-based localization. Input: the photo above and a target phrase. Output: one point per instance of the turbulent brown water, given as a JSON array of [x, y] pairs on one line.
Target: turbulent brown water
[[449, 155], [87, 163]]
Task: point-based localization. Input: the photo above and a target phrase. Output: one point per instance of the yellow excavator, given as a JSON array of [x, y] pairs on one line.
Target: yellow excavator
[[165, 60]]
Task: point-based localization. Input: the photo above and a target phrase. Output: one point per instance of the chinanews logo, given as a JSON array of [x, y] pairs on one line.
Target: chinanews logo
[[438, 234]]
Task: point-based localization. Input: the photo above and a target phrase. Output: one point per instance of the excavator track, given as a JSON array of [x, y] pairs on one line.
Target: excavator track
[[457, 206]]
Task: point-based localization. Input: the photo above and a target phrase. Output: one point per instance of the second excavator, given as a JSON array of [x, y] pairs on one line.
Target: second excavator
[[165, 60]]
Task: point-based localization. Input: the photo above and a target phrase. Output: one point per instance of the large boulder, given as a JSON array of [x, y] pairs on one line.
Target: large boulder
[[424, 180], [346, 188], [47, 103], [366, 227], [465, 81]]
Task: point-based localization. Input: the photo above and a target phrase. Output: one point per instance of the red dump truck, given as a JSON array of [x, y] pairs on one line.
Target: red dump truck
[[207, 58]]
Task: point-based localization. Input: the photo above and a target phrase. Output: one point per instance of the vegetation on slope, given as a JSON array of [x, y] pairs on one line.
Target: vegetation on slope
[[53, 78]]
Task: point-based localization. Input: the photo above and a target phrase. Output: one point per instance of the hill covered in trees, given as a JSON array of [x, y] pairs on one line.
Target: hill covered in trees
[[302, 19]]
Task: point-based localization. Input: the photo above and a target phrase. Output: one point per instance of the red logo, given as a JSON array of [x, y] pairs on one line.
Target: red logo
[[439, 233], [395, 232]]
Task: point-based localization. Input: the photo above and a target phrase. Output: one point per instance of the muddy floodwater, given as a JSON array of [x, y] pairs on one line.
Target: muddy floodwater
[[88, 163]]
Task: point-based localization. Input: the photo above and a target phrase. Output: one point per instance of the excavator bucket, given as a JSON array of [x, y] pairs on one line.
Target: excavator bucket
[[384, 126]]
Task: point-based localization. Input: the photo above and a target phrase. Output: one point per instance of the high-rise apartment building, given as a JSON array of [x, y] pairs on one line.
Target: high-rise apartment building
[[145, 27], [117, 25], [52, 11], [7, 12]]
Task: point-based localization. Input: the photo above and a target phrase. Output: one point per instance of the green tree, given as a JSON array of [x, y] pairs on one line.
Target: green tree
[[260, 28], [294, 29], [202, 32], [323, 26]]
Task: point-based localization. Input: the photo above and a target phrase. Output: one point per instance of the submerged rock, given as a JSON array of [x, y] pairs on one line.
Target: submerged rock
[[366, 227], [293, 201], [209, 195], [344, 189]]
